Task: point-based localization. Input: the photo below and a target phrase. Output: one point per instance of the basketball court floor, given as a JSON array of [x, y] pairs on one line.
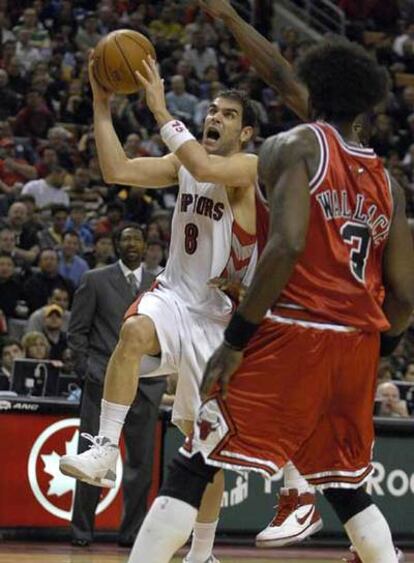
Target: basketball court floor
[[26, 552]]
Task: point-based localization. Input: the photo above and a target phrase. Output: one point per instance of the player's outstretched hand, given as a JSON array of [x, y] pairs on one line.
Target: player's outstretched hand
[[154, 86], [99, 93], [235, 290], [220, 369], [217, 8]]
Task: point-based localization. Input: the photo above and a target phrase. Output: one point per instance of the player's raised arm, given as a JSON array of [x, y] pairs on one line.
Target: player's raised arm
[[237, 170], [398, 269], [265, 57], [116, 167]]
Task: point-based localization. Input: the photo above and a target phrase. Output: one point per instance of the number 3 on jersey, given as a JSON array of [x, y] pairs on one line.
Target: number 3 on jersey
[[190, 240], [358, 237]]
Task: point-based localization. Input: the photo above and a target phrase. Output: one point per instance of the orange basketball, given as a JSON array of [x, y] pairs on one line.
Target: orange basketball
[[116, 58]]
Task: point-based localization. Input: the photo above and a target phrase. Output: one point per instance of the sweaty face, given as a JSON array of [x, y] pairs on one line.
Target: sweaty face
[[223, 130]]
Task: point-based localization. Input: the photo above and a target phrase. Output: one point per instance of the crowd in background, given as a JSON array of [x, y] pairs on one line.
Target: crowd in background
[[57, 215]]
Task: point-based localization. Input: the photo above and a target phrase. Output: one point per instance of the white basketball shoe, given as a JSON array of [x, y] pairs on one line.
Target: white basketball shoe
[[354, 557], [96, 466], [296, 518], [211, 559]]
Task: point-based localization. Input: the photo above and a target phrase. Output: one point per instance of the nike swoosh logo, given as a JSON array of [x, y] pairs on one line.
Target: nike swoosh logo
[[302, 520]]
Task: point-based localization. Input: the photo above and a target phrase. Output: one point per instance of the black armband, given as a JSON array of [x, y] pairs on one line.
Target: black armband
[[388, 344], [239, 332]]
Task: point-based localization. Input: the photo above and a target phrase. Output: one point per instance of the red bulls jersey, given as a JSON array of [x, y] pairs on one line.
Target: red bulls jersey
[[338, 279]]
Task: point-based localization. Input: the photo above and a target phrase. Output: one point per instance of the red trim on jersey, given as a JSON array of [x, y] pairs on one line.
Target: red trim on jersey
[[132, 310]]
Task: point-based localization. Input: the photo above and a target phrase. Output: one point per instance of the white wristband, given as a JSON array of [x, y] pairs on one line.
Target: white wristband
[[175, 134]]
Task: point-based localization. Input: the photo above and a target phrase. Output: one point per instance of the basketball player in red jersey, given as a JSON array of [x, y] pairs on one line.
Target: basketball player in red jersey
[[297, 499], [338, 238]]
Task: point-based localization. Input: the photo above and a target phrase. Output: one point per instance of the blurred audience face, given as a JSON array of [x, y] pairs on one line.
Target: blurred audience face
[[33, 100], [153, 230], [38, 350], [7, 240], [53, 322], [56, 178], [154, 255], [49, 157], [132, 145], [389, 393], [30, 18], [178, 85], [81, 178], [10, 353], [104, 248], [3, 78], [60, 297], [48, 262], [59, 221], [409, 373], [6, 268], [78, 215], [70, 245], [17, 215]]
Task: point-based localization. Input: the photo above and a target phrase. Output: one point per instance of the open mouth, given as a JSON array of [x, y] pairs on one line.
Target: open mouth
[[213, 134]]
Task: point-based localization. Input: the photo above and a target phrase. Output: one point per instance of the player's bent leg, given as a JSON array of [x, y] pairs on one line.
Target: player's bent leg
[[97, 466], [171, 518], [365, 525], [296, 517], [208, 515]]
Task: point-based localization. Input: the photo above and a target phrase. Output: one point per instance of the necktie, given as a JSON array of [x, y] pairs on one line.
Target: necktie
[[132, 281]]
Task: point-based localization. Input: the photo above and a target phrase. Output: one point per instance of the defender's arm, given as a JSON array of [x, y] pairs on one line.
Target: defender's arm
[[265, 57], [398, 268]]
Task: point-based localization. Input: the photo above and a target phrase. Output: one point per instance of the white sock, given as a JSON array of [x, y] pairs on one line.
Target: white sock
[[166, 527], [294, 480], [371, 536], [112, 420], [202, 542]]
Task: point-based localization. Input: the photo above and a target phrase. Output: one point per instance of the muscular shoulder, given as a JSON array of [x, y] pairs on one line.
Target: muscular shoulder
[[282, 150]]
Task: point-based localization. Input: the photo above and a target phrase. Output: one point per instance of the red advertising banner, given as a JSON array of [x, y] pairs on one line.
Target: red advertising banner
[[33, 492]]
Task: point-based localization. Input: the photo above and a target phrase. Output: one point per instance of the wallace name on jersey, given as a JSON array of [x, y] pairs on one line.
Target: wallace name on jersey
[[201, 205], [335, 204]]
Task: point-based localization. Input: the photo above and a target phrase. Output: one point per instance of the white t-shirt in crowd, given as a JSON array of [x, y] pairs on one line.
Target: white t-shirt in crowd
[[44, 193]]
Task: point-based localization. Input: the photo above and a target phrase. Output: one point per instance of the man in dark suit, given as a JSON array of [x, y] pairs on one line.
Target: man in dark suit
[[98, 309]]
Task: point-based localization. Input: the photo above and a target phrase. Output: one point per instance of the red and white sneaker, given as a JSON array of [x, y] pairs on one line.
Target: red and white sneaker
[[354, 558], [296, 518]]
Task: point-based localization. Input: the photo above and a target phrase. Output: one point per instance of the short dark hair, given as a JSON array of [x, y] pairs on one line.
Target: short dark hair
[[10, 342], [57, 208], [100, 236], [342, 78], [249, 115], [117, 234], [72, 233]]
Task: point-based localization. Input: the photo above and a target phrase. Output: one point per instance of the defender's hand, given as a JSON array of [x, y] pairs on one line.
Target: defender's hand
[[154, 86], [235, 290], [220, 369], [100, 94], [217, 8]]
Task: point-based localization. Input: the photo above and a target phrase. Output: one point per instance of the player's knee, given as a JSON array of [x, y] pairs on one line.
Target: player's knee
[[348, 502], [137, 336], [187, 479]]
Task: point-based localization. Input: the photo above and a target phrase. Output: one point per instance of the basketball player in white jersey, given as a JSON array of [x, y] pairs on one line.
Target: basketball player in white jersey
[[183, 317]]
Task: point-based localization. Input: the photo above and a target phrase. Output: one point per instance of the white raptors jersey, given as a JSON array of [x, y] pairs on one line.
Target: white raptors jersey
[[206, 242]]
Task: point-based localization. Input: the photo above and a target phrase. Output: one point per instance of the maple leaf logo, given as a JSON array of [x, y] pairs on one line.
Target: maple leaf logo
[[60, 484]]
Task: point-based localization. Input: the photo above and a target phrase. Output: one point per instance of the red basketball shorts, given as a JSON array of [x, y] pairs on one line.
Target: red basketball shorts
[[302, 394]]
